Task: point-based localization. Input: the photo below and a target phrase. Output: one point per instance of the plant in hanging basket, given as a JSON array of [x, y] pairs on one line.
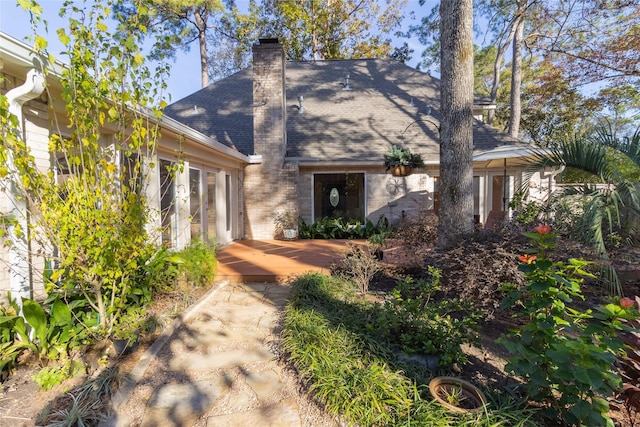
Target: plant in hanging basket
[[456, 394], [401, 161]]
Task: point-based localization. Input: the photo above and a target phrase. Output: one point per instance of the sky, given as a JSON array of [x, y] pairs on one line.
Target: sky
[[185, 75]]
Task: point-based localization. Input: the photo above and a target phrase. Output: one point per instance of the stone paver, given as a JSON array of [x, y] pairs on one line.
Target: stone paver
[[281, 414], [222, 359], [216, 369]]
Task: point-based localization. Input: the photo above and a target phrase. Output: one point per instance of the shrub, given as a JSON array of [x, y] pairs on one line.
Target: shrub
[[341, 228], [359, 264], [198, 264], [525, 212], [47, 378], [416, 324], [565, 356], [474, 269]]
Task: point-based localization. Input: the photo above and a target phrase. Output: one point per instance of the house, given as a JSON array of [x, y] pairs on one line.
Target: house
[[279, 136], [314, 127], [203, 199]]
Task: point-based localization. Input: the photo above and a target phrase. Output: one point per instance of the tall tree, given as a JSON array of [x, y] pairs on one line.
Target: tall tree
[[598, 40], [456, 108], [516, 69], [183, 22], [333, 29]]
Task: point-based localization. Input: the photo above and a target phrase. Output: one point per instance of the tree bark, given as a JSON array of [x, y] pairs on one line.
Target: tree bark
[[516, 74], [201, 23], [502, 49], [456, 107]]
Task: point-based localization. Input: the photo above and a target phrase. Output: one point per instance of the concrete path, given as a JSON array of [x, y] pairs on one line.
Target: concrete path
[[218, 368]]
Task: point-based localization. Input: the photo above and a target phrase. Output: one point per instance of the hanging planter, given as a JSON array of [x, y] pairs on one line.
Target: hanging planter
[[401, 161], [456, 394]]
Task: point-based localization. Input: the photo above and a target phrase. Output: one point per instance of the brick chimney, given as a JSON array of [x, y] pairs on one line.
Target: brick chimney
[[269, 187]]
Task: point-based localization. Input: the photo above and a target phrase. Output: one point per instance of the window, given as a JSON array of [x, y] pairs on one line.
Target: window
[[339, 195], [476, 199], [436, 194]]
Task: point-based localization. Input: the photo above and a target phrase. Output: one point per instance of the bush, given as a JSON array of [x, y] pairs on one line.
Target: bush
[[413, 322], [359, 264], [418, 231], [565, 356], [475, 268], [198, 264], [341, 228]]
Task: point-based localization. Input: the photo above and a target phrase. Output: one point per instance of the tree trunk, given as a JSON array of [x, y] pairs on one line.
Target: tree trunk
[[516, 74], [456, 107], [497, 64], [201, 23]]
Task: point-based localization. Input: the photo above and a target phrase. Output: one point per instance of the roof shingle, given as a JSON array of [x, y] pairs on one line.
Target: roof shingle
[[386, 103]]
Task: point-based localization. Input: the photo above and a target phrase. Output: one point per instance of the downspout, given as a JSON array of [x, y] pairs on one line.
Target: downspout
[[19, 257]]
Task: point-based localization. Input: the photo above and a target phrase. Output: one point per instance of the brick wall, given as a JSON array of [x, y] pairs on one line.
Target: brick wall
[[269, 187]]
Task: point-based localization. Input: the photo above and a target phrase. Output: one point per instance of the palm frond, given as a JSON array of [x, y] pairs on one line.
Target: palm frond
[[608, 203]]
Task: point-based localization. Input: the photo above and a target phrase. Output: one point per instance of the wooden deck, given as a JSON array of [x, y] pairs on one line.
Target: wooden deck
[[275, 261]]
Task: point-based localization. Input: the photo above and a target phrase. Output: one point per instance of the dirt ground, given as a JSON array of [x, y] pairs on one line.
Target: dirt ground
[[22, 402]]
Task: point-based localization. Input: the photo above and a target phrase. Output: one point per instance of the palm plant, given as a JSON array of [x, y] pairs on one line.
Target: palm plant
[[612, 204]]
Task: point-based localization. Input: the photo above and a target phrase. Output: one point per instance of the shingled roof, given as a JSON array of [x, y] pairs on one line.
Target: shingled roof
[[384, 103]]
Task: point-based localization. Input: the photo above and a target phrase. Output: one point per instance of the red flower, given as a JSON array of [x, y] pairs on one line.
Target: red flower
[[626, 302], [543, 229], [528, 259]]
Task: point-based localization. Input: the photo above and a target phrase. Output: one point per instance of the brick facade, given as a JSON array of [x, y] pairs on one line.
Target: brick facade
[[270, 187]]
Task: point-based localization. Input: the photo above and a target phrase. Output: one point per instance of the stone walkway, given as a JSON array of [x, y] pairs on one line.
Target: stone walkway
[[219, 368]]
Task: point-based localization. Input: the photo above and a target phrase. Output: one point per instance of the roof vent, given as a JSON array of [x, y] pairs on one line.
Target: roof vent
[[346, 85]]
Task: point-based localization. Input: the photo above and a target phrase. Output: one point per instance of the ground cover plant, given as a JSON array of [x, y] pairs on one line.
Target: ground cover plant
[[342, 228], [69, 356], [334, 338], [379, 323]]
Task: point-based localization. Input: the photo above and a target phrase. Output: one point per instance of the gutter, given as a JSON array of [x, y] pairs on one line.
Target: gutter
[[19, 257], [314, 161], [509, 152]]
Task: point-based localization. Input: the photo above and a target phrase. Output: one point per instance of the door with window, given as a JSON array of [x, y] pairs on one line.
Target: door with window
[[168, 211], [195, 202], [210, 224], [501, 190], [339, 195]]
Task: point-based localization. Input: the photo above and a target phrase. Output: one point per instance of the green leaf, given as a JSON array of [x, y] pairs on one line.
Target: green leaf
[[61, 313], [36, 318]]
